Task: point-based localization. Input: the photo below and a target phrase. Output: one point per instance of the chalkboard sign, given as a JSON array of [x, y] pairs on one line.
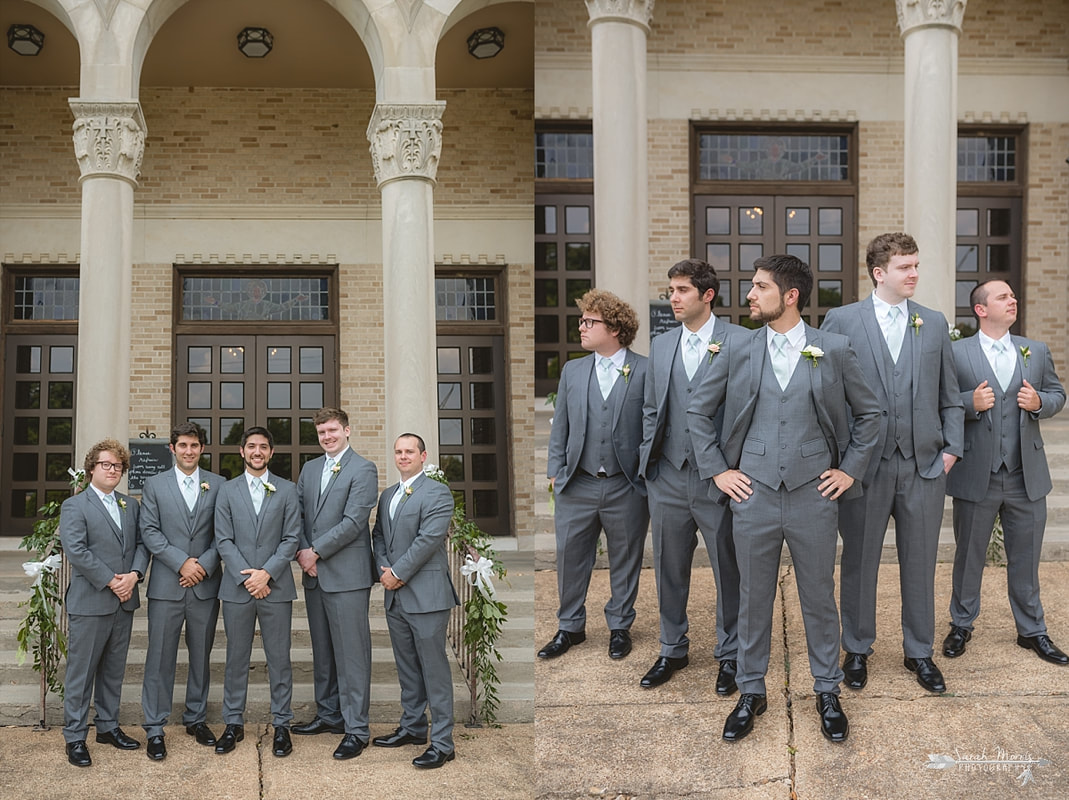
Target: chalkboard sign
[[661, 318], [147, 458]]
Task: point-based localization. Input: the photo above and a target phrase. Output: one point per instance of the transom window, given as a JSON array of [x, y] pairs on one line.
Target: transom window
[[564, 154], [987, 159], [465, 299], [773, 157], [45, 297], [276, 297]]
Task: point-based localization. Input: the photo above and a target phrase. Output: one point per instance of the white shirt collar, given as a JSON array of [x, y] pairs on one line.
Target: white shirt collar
[[406, 483], [249, 478], [337, 459], [705, 332], [795, 337], [181, 477], [883, 308], [987, 343], [618, 358], [100, 494]]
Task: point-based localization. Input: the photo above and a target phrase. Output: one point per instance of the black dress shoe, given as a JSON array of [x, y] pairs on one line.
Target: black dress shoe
[[856, 670], [78, 753], [833, 722], [398, 738], [725, 678], [317, 725], [619, 644], [281, 745], [116, 738], [350, 747], [432, 759], [662, 670], [232, 734], [740, 721], [928, 674], [560, 643], [202, 732], [156, 749], [954, 644], [1044, 648]]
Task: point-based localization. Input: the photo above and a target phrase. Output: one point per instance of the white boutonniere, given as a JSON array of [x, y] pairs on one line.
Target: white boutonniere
[[408, 491], [626, 372], [812, 354], [204, 487], [955, 333], [121, 502], [1026, 353], [269, 487], [915, 322], [713, 348], [336, 469]]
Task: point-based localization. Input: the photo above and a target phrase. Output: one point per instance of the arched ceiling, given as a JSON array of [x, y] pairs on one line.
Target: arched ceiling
[[313, 47]]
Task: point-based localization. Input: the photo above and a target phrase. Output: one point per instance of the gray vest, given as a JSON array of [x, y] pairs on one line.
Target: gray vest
[[677, 447], [598, 450], [785, 444], [900, 400], [1006, 421]]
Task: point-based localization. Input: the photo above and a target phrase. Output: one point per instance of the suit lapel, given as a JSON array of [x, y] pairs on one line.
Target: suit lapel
[[664, 366], [321, 496], [622, 394], [179, 500], [876, 341], [822, 403], [96, 502], [915, 335], [758, 351]]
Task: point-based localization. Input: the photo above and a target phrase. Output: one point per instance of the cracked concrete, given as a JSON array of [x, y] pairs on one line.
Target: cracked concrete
[[598, 734]]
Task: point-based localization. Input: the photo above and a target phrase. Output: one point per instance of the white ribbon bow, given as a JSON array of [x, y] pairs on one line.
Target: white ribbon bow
[[37, 569], [479, 574]]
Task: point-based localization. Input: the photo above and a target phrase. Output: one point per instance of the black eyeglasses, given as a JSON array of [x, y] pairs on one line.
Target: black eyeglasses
[[590, 322], [108, 466]]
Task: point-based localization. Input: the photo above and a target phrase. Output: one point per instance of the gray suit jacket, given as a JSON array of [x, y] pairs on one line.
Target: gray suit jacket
[[663, 350], [336, 523], [969, 479], [98, 551], [937, 409], [248, 541], [845, 406], [568, 434], [413, 545], [172, 536]]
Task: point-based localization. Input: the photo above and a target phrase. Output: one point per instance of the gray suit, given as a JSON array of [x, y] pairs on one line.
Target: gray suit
[[585, 504], [268, 541], [172, 533], [679, 499], [413, 545], [921, 419], [336, 525], [783, 440], [1004, 471], [100, 625]]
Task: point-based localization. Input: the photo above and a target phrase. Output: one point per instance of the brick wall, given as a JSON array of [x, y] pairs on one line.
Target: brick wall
[[151, 350], [669, 196]]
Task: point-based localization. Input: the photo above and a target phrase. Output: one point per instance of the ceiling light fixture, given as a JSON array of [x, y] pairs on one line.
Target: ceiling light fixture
[[486, 42], [25, 40], [255, 42]]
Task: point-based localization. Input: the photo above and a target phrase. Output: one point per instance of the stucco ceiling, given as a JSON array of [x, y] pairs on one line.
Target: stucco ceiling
[[313, 47]]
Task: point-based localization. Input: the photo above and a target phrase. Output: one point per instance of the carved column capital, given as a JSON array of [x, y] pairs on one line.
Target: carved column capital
[[109, 138], [406, 140], [636, 12], [913, 14]]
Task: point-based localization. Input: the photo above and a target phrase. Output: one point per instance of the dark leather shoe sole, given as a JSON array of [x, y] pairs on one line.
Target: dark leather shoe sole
[[734, 730], [662, 670], [393, 740], [422, 763], [349, 749], [1030, 643], [226, 744], [562, 643], [120, 741], [202, 733], [926, 683]]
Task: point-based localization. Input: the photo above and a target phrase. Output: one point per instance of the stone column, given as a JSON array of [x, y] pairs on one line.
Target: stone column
[[109, 142], [406, 141], [618, 32], [930, 31]]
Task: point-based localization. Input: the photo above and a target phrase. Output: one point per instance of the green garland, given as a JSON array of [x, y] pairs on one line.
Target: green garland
[[483, 616]]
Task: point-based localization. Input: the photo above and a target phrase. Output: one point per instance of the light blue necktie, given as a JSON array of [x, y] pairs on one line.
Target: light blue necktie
[[692, 355], [396, 501], [1003, 365], [780, 365], [605, 376], [893, 332], [328, 466], [189, 493], [113, 509], [257, 494]]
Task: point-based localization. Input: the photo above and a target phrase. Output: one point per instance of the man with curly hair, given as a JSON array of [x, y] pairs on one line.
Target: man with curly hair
[[593, 469], [98, 529]]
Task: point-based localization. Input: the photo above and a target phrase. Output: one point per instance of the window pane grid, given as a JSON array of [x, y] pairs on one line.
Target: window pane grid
[[46, 297], [744, 157], [564, 155], [987, 159], [280, 298], [465, 299]]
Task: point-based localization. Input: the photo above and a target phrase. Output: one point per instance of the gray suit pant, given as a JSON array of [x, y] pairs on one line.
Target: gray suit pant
[[680, 505], [424, 673], [807, 522], [165, 620], [585, 507], [341, 657], [1023, 522], [239, 621], [916, 503], [96, 664]]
